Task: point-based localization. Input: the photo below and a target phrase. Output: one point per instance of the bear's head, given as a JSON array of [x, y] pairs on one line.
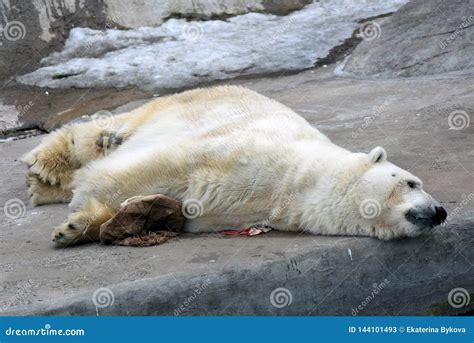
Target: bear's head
[[391, 201]]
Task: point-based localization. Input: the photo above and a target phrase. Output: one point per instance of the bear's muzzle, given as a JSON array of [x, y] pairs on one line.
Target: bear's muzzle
[[427, 217]]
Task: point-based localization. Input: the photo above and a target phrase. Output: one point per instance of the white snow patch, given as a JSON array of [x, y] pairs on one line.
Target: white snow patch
[[180, 53]]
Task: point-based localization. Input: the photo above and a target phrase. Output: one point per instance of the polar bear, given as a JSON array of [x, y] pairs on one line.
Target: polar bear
[[234, 158]]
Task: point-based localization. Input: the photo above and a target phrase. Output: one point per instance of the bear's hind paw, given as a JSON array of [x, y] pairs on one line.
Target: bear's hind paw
[[42, 193]]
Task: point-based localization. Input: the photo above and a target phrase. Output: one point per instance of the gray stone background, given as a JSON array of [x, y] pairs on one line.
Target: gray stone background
[[398, 75]]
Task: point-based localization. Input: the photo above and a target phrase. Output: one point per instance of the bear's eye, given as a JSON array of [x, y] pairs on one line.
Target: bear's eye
[[411, 184]]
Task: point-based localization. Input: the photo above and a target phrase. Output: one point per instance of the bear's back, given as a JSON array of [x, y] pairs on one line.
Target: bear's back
[[222, 111]]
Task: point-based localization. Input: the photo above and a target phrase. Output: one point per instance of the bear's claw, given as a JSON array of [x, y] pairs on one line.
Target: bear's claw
[[108, 140], [69, 233]]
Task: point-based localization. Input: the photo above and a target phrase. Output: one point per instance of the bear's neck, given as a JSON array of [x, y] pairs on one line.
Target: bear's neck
[[326, 202]]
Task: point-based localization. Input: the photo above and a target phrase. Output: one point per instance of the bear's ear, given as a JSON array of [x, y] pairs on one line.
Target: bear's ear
[[378, 155]]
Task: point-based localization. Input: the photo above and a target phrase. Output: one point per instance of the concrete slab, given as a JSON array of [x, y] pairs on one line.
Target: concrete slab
[[276, 273]]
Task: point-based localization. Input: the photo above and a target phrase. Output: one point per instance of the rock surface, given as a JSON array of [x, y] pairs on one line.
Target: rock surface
[[217, 275], [182, 54], [33, 29], [423, 120], [155, 12], [422, 38]]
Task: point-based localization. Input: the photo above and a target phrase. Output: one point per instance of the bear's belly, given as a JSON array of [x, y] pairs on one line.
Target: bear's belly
[[220, 223]]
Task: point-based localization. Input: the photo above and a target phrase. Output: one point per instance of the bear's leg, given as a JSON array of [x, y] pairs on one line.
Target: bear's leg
[[50, 168], [83, 225], [51, 165], [42, 193], [52, 161]]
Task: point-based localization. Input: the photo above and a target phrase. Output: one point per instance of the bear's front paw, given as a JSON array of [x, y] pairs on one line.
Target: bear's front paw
[[70, 233]]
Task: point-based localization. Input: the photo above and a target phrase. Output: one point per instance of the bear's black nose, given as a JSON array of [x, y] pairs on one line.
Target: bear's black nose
[[427, 217], [440, 215]]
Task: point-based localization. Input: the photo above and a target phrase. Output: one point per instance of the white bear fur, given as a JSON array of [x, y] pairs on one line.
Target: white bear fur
[[247, 160]]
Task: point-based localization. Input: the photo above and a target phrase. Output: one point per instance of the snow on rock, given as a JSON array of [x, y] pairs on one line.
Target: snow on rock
[[180, 53]]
